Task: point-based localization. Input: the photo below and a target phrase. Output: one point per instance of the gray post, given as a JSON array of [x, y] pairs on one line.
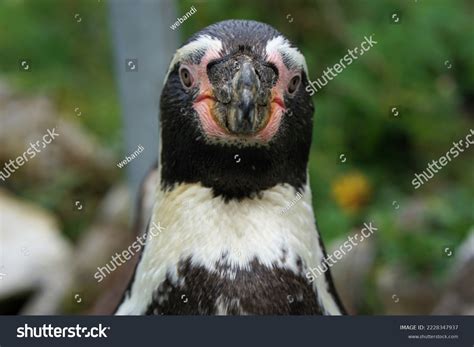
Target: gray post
[[143, 46]]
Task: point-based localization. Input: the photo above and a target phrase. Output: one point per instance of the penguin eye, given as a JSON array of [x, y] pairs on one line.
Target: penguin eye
[[294, 83], [186, 78]]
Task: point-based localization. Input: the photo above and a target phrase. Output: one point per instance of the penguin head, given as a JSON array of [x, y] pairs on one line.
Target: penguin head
[[235, 115]]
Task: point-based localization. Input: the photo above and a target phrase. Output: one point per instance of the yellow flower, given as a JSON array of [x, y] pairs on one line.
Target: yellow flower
[[351, 191]]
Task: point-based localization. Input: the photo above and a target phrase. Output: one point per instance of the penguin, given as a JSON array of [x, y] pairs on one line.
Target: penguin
[[232, 229]]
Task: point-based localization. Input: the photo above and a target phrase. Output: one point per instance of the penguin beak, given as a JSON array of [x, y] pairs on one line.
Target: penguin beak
[[243, 117], [242, 100]]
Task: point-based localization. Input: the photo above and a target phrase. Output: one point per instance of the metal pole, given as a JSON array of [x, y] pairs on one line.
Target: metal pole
[[143, 46]]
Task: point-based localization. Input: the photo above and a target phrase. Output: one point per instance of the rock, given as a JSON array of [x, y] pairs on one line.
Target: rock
[[458, 298], [5, 92], [403, 294], [351, 271], [34, 258], [116, 207], [412, 216], [26, 119], [108, 234]]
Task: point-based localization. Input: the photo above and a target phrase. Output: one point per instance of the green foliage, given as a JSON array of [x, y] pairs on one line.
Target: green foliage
[[70, 61]]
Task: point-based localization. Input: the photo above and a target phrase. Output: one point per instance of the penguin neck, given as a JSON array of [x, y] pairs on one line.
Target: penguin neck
[[232, 172], [278, 220]]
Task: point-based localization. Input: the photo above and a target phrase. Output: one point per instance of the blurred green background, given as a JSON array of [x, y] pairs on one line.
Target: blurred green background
[[422, 65]]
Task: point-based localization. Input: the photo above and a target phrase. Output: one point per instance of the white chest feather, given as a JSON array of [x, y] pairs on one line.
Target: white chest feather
[[277, 229]]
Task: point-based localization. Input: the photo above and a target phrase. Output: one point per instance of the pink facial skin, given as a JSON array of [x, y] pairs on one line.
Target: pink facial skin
[[205, 100]]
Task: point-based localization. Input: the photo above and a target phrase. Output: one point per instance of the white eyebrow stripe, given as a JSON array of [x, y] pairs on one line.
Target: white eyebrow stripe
[[281, 45], [204, 43]]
